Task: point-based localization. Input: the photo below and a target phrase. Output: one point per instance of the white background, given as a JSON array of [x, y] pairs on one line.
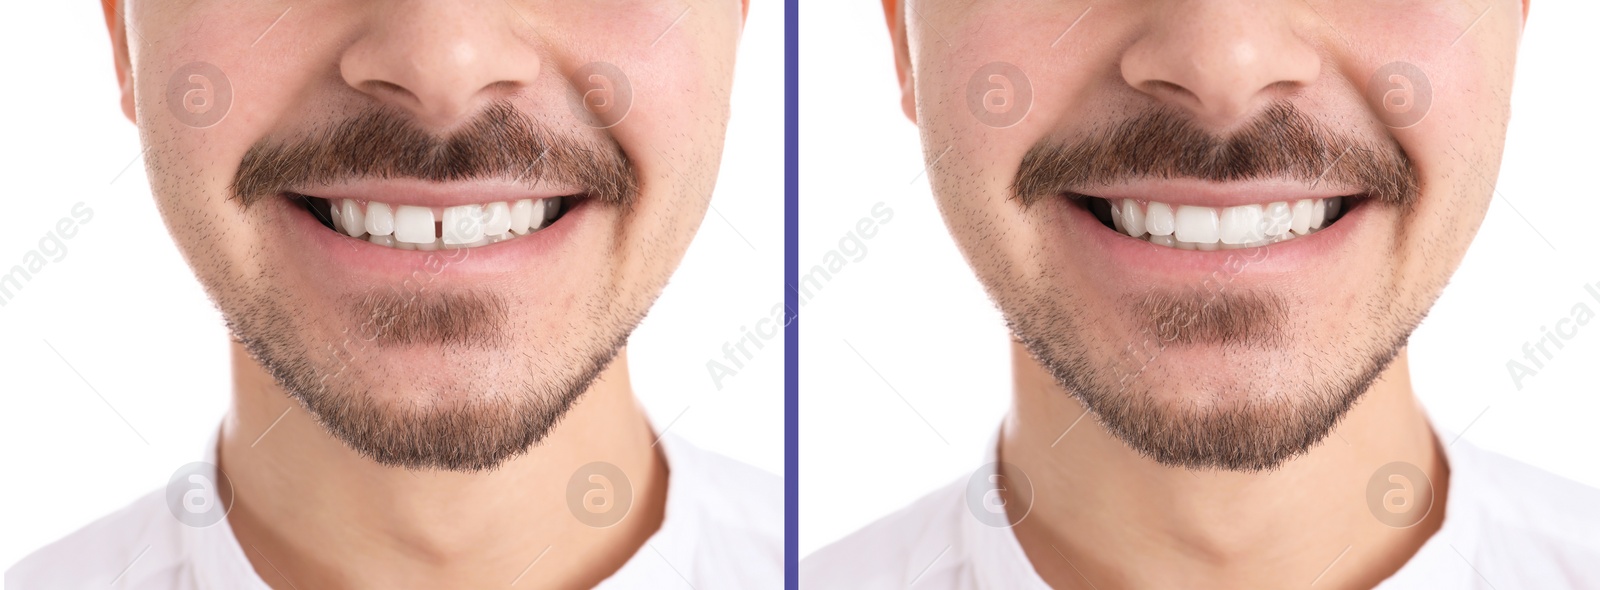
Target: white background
[[124, 310], [913, 310]]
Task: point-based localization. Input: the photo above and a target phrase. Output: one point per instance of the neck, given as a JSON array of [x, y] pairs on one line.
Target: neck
[[310, 512], [1153, 526]]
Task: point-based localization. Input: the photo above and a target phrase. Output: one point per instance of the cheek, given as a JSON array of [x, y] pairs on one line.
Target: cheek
[[1457, 143], [966, 158], [989, 85], [675, 128], [201, 98]]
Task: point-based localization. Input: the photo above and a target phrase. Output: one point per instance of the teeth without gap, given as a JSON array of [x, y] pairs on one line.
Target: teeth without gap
[[1188, 227], [408, 227]]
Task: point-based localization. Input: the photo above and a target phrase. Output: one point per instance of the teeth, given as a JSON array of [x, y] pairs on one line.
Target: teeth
[[380, 219], [497, 219], [1197, 224], [413, 225], [473, 244], [1301, 224], [521, 214], [1277, 219], [1132, 218], [543, 210], [408, 227], [1189, 227], [536, 216], [463, 224], [1158, 220], [1242, 224], [355, 222]]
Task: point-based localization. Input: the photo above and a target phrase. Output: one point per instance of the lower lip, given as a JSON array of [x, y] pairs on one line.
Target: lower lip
[[360, 259], [1123, 254]]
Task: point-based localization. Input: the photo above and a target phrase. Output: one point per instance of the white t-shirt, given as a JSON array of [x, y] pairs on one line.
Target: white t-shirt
[[1507, 525], [723, 528]]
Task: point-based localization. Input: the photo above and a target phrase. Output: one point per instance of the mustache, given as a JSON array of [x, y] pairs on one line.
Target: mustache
[[1164, 143], [501, 142]]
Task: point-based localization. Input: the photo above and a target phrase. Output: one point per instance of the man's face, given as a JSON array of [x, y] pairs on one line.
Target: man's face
[[1250, 311], [434, 223]]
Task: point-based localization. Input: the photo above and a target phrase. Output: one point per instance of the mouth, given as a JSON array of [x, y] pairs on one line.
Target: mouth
[[1198, 227], [416, 227]]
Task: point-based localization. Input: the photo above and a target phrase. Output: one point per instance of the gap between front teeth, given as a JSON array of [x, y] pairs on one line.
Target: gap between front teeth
[[408, 227], [1189, 227]]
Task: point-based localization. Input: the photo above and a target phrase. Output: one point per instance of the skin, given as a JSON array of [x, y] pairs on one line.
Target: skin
[[311, 512], [1220, 63]]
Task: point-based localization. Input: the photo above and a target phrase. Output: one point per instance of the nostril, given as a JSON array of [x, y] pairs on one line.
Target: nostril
[[1169, 89], [383, 87]]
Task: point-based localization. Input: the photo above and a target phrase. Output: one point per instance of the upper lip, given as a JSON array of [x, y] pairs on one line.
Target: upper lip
[[1202, 193], [423, 193]]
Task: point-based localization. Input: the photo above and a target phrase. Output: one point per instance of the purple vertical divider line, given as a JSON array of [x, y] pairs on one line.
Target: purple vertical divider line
[[791, 271]]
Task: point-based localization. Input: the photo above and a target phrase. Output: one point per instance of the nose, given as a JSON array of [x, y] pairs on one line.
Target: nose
[[439, 59], [1221, 59]]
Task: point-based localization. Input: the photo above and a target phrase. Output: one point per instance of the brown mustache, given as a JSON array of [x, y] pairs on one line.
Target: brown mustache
[[1282, 142], [501, 142]]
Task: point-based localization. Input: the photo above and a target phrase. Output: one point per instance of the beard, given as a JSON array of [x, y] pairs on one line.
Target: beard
[[495, 400], [1211, 377], [1274, 398], [502, 370]]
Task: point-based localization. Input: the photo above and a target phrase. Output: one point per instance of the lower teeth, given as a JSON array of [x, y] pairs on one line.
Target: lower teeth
[[1172, 242]]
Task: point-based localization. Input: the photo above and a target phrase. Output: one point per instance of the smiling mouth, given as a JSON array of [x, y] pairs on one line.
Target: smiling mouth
[[1191, 227], [410, 227]]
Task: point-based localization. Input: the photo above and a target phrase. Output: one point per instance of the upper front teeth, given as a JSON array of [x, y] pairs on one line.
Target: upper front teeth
[[410, 227], [1208, 228], [380, 219], [1195, 224], [461, 225]]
